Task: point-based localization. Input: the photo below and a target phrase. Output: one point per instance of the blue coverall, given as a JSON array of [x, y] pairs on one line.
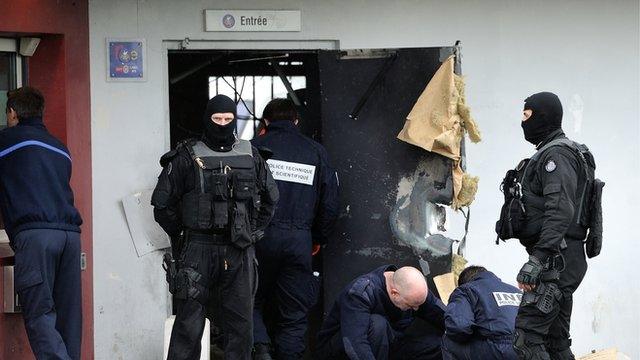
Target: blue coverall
[[480, 319], [305, 213], [364, 324]]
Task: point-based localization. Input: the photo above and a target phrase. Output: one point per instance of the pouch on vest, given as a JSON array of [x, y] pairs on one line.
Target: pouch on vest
[[512, 214], [220, 191], [593, 244], [243, 186], [241, 226], [590, 210], [196, 211]]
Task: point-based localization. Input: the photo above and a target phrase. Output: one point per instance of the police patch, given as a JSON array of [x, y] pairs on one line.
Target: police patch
[[507, 299], [550, 166]]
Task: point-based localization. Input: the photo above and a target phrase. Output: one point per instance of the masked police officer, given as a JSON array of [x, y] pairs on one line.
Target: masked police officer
[[546, 207], [480, 317], [306, 211], [219, 194]]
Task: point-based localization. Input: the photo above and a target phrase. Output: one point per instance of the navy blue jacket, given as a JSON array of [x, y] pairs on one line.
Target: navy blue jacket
[[307, 184], [483, 308], [35, 169], [365, 296]]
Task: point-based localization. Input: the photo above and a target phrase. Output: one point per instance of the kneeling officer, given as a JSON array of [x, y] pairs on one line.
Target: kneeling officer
[[480, 317], [373, 319], [219, 194]]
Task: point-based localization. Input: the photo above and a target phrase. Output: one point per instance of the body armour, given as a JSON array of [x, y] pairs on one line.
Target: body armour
[[522, 214], [224, 199]]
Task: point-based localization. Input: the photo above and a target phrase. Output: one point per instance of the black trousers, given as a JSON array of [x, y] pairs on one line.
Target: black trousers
[[228, 277], [421, 341], [552, 330], [47, 276], [287, 282]]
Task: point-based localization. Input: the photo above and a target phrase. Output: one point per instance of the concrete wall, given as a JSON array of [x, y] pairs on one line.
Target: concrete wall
[[585, 51]]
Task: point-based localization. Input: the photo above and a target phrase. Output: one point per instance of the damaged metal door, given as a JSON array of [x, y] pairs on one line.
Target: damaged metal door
[[388, 188]]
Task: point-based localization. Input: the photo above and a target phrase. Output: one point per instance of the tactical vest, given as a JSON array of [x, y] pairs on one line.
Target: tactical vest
[[522, 214], [224, 198]]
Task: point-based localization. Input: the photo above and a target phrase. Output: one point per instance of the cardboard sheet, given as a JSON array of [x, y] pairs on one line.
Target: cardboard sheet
[[445, 284], [147, 235], [434, 124], [437, 123], [607, 354]]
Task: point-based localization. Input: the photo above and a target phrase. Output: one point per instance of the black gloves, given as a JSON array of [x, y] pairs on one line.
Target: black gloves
[[530, 272]]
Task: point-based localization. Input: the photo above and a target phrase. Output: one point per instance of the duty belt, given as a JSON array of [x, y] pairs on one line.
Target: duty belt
[[211, 238]]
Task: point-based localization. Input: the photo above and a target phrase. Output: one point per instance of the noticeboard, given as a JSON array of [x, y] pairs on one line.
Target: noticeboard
[[126, 60]]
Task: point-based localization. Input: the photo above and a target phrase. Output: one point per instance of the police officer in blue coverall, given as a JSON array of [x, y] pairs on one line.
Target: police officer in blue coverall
[[43, 225], [480, 317], [371, 317], [305, 213]]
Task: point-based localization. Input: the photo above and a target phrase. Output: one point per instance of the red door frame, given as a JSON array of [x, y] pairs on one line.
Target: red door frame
[[60, 69]]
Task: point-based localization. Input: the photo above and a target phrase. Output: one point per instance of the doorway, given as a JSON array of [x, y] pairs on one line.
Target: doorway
[[354, 102]]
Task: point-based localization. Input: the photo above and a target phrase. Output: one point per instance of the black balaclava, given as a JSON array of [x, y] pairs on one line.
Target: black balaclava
[[218, 136], [546, 116]]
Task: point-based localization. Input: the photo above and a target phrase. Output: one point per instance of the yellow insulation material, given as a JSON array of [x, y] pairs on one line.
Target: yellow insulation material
[[458, 262], [467, 192]]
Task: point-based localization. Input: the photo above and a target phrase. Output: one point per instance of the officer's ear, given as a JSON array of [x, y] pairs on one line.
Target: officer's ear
[[12, 117]]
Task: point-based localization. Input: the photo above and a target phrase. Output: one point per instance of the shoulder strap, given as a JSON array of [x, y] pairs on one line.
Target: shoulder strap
[[562, 142], [193, 151], [241, 147], [552, 143]]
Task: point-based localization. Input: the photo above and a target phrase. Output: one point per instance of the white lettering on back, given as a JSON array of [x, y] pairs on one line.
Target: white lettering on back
[[292, 172]]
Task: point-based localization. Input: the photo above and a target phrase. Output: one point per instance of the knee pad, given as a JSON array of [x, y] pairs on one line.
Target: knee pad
[[526, 350]]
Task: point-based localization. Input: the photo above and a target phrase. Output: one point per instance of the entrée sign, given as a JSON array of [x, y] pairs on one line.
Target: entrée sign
[[252, 20]]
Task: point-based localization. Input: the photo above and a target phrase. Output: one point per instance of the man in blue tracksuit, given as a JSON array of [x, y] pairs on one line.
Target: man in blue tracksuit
[[480, 317], [43, 225], [373, 316], [305, 214]]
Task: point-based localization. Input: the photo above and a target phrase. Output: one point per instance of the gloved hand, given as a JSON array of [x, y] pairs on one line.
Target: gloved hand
[[530, 274]]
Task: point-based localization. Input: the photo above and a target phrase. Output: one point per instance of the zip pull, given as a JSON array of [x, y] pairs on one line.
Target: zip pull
[[200, 163], [226, 265]]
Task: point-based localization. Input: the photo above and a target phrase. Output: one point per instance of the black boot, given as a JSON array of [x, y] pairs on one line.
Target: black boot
[[261, 352]]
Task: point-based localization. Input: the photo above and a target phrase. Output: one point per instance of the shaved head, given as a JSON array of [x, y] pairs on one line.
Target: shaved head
[[408, 288]]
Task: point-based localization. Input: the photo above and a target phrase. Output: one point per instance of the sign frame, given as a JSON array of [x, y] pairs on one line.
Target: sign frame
[[222, 20], [118, 64]]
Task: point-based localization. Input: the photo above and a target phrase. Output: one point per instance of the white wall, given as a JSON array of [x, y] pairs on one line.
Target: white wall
[[585, 51]]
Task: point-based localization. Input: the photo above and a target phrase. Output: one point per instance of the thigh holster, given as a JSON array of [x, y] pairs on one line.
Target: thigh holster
[[527, 350]]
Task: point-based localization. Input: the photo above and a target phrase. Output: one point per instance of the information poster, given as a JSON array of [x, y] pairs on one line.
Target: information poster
[[126, 60]]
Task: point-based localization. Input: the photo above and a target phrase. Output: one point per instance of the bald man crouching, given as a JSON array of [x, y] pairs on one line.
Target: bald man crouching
[[370, 318]]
